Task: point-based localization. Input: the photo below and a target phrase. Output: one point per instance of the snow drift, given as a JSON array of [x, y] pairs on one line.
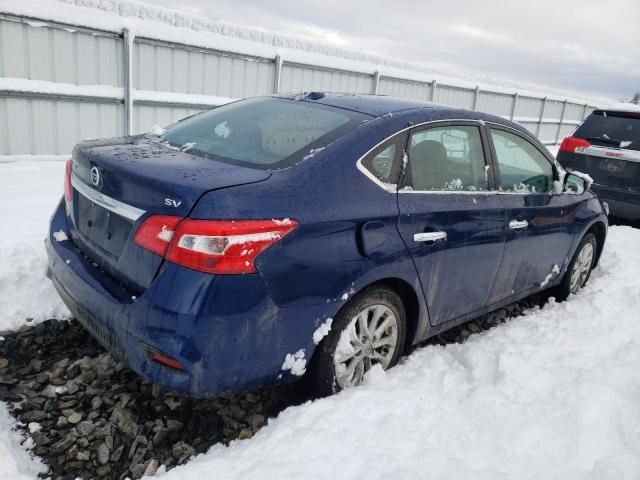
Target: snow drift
[[552, 394]]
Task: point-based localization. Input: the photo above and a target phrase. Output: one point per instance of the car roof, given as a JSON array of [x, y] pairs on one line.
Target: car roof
[[400, 109], [369, 104]]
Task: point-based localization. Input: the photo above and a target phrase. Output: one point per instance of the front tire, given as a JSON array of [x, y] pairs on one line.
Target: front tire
[[579, 269], [370, 329]]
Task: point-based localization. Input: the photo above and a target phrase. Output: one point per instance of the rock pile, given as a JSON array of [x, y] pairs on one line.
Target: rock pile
[[90, 416]]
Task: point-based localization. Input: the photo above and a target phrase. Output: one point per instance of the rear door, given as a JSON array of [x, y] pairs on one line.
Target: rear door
[[536, 240], [449, 219]]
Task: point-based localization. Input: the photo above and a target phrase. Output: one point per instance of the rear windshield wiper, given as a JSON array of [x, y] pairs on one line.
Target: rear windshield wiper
[[607, 140]]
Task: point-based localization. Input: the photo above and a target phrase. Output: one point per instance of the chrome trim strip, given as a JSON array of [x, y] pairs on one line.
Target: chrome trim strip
[[393, 188], [111, 204], [613, 153]]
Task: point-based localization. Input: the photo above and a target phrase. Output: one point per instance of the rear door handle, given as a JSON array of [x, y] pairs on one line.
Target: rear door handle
[[518, 224], [429, 236]]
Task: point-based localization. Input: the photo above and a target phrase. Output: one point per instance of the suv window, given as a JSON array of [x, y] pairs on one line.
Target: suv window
[[617, 129], [523, 168], [265, 133], [447, 158]]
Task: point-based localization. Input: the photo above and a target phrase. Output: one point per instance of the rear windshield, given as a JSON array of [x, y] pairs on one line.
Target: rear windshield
[[614, 129], [263, 132]]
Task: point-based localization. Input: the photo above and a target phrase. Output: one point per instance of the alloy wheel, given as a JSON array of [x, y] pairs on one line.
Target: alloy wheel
[[581, 267], [370, 338]]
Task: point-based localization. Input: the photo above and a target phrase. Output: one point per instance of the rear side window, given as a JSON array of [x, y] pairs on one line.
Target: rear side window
[[384, 162], [265, 133], [615, 129], [447, 158], [523, 168]]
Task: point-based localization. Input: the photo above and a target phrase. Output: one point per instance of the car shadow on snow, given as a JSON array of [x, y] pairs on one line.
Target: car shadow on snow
[[87, 415]]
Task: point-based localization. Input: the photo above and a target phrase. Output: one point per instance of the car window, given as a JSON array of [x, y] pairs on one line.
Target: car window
[[263, 132], [384, 161], [447, 158], [523, 168], [617, 129]]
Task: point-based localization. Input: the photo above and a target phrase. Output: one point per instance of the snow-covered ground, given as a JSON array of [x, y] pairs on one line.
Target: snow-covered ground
[[16, 463], [29, 191], [553, 394]]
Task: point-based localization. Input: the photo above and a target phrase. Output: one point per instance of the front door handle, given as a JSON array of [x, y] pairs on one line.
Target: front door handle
[[429, 236], [518, 224]]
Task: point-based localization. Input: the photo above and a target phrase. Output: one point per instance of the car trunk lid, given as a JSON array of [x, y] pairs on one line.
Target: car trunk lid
[[119, 183]]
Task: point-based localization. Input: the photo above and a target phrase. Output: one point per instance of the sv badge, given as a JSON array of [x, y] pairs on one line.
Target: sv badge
[[170, 202]]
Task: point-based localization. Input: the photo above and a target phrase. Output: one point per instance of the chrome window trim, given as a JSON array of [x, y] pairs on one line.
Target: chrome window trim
[[393, 188], [545, 153], [111, 204]]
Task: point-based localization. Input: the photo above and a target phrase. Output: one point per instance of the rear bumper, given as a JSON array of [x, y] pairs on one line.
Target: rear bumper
[[622, 203], [225, 330]]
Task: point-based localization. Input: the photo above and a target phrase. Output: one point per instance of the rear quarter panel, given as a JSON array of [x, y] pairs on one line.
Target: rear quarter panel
[[323, 260]]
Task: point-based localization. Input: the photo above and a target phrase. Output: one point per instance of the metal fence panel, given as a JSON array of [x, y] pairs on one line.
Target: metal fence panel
[[528, 107], [454, 96], [495, 103], [574, 112], [41, 126], [553, 109], [146, 116], [405, 88], [548, 132], [76, 56], [33, 121], [163, 67], [299, 78]]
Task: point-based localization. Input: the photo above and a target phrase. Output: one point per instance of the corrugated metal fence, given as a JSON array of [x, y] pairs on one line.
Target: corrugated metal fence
[[140, 77]]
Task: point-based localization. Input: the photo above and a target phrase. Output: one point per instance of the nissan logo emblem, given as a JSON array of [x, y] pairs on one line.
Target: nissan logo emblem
[[95, 176]]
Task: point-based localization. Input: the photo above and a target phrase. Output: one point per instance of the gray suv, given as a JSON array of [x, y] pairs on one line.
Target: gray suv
[[607, 147]]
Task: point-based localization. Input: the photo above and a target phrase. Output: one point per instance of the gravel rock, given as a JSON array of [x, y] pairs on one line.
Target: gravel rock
[[255, 420], [74, 418], [98, 419], [34, 416], [85, 428], [103, 454]]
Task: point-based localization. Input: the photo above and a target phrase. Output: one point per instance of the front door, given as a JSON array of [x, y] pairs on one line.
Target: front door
[[450, 220], [536, 239]]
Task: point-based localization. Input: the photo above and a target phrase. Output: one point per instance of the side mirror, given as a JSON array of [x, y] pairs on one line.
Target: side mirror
[[576, 184]]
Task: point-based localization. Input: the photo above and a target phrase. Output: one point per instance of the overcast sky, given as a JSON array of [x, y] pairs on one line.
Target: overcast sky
[[580, 45]]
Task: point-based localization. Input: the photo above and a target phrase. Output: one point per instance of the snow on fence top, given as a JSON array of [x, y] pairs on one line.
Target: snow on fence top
[[165, 24], [77, 69]]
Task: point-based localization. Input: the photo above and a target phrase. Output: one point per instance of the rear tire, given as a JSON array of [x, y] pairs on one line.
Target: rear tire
[[579, 269], [370, 329]]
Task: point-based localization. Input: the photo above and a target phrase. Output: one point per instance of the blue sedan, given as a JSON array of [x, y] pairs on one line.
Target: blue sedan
[[311, 235]]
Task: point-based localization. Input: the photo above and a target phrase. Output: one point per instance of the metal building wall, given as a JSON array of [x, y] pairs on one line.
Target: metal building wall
[[62, 83]]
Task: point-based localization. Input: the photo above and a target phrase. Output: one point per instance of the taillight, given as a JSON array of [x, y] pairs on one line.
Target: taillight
[[156, 232], [212, 246], [68, 187], [574, 145]]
